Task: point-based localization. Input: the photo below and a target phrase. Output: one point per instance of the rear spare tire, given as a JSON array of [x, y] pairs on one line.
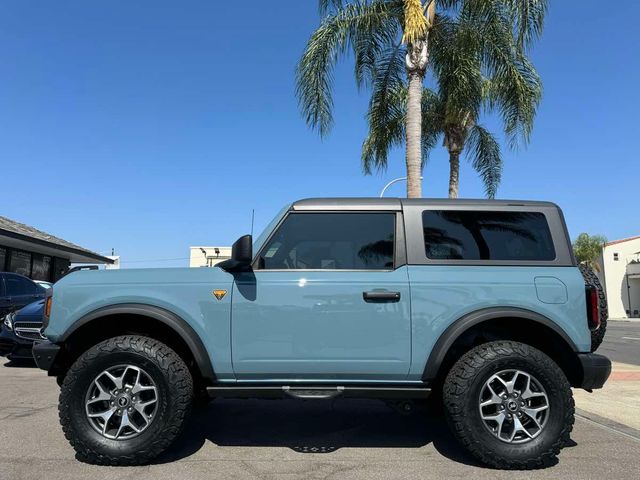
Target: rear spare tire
[[591, 279]]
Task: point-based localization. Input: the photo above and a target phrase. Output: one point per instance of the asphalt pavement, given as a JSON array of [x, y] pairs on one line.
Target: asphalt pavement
[[622, 342], [287, 439]]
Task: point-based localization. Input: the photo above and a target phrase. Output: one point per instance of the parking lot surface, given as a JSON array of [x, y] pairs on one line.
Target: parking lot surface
[[622, 341], [286, 439]]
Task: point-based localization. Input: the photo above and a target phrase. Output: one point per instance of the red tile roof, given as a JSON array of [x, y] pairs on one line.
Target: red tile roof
[[622, 240]]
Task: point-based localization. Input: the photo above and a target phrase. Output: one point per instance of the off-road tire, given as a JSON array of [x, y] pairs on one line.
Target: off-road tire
[[175, 393], [591, 279], [461, 393]]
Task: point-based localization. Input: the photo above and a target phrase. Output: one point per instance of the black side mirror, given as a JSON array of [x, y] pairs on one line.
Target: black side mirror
[[241, 255]]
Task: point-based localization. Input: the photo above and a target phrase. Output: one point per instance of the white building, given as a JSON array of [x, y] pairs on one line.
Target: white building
[[116, 262], [208, 256], [620, 261]]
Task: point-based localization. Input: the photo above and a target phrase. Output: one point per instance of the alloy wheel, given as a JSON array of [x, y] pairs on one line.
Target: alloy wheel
[[514, 406], [121, 402]]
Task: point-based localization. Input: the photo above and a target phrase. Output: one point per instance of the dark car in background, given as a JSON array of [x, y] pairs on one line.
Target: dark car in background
[[20, 329], [17, 291], [21, 309]]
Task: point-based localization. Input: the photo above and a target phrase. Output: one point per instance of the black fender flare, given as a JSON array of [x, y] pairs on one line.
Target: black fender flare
[[464, 323], [170, 319]]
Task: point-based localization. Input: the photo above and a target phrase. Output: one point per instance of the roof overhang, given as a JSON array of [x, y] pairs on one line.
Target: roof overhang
[[29, 244]]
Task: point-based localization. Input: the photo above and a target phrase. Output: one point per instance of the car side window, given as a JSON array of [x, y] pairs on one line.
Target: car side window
[[20, 286], [487, 235], [331, 241]]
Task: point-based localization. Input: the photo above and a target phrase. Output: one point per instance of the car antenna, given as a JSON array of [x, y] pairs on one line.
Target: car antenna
[[253, 212]]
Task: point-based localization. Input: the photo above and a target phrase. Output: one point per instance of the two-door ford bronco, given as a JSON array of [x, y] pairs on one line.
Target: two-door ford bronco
[[480, 303]]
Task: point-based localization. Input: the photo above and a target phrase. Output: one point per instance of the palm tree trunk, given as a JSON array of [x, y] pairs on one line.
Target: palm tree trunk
[[413, 130], [454, 139], [416, 65], [454, 173]]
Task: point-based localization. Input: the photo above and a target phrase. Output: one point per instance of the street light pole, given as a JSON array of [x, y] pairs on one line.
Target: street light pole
[[391, 183]]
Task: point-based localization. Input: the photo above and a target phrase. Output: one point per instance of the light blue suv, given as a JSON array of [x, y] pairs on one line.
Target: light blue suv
[[477, 303]]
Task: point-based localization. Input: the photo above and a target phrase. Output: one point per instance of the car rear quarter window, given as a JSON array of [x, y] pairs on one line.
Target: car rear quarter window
[[20, 286], [487, 235], [331, 241]]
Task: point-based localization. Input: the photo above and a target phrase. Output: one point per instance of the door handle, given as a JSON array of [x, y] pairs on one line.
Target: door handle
[[380, 296]]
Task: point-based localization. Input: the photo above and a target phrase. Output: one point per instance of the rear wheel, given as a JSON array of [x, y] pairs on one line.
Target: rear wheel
[[125, 400], [509, 405]]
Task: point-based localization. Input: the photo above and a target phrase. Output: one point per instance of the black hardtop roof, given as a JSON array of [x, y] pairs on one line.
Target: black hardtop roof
[[389, 203]]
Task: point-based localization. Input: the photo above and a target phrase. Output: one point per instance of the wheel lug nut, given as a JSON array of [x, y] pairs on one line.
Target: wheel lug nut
[[504, 397]]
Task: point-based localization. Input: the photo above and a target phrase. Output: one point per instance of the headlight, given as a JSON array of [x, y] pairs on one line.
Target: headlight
[[8, 321]]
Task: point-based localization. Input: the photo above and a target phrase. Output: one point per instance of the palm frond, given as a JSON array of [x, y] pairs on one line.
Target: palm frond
[[329, 6], [516, 90], [369, 44], [528, 19], [456, 64], [387, 109], [484, 152], [515, 87], [432, 122], [337, 32]]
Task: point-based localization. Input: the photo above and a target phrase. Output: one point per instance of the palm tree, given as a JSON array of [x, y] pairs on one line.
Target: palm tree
[[464, 92], [392, 42]]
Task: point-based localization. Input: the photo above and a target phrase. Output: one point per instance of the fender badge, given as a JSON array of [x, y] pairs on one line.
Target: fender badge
[[219, 294]]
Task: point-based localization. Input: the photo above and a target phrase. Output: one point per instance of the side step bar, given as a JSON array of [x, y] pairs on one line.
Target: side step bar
[[317, 391]]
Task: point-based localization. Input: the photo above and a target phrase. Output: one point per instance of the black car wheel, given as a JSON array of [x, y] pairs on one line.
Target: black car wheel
[[509, 405], [125, 400]]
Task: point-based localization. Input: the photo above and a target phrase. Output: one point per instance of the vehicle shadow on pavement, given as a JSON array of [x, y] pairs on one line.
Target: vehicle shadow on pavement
[[19, 363], [315, 426]]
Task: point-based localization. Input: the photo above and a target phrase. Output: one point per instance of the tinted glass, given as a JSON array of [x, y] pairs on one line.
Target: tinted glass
[[20, 286], [20, 262], [3, 257], [41, 268], [332, 241], [459, 235]]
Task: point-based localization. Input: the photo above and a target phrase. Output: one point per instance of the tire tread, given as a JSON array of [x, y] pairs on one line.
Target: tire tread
[[458, 384], [178, 377]]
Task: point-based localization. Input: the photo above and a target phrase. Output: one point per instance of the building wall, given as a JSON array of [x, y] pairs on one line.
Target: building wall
[[32, 264], [623, 291], [198, 258], [116, 263]]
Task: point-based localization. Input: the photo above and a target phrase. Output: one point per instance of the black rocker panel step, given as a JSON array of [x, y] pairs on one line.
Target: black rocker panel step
[[317, 391]]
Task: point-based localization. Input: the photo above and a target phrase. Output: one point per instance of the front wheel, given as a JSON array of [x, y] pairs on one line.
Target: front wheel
[[125, 400], [509, 405]]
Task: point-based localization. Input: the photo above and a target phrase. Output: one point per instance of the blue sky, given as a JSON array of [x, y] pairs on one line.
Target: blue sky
[[150, 126]]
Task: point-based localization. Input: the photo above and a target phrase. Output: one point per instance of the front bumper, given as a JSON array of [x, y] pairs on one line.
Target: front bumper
[[45, 353], [595, 370], [14, 347]]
